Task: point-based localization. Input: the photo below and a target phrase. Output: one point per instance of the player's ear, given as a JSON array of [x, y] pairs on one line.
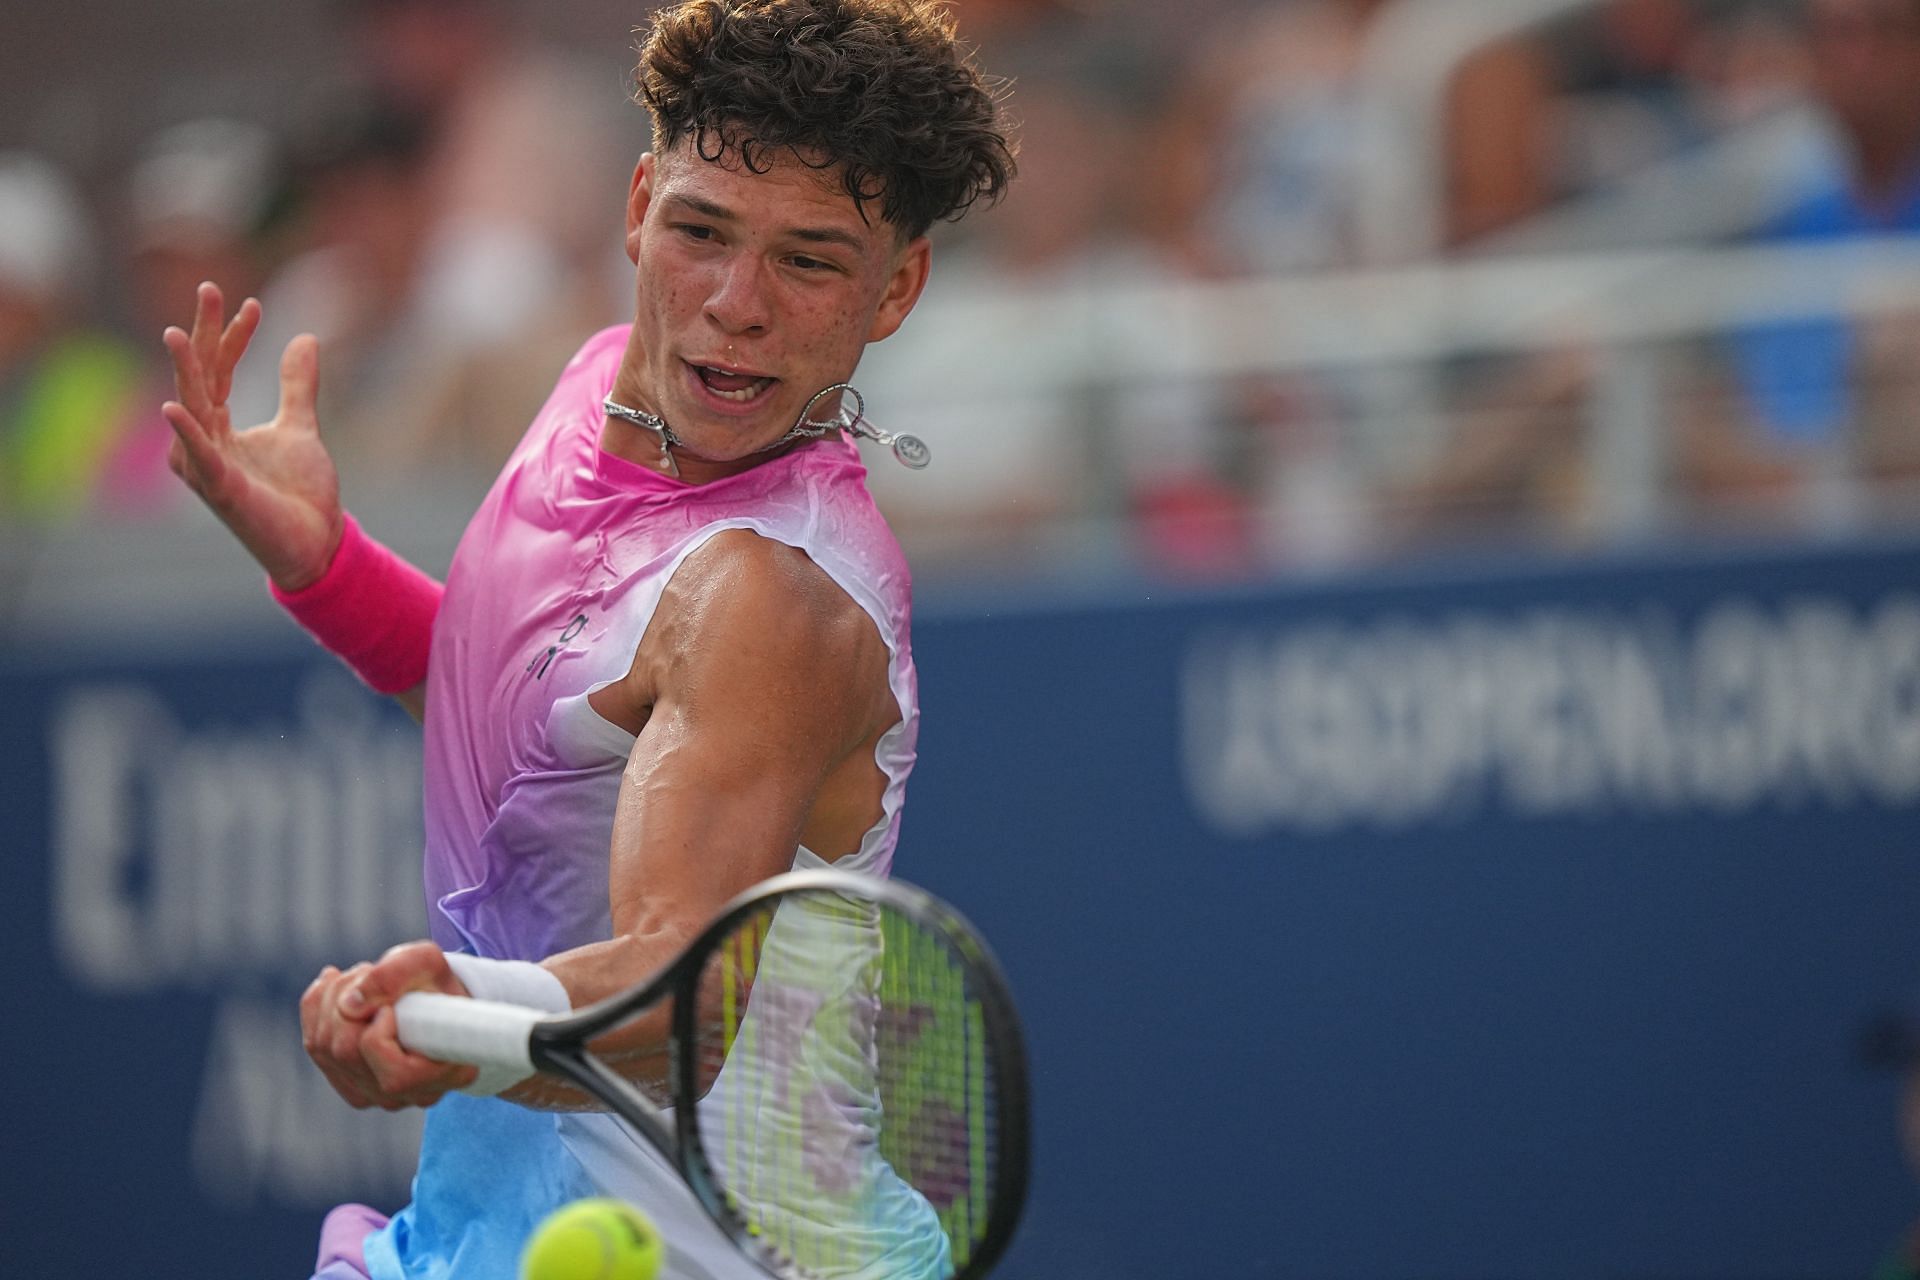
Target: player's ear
[[639, 196], [911, 265]]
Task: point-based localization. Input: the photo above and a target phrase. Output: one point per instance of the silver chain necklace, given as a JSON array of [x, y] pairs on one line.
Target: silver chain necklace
[[912, 451]]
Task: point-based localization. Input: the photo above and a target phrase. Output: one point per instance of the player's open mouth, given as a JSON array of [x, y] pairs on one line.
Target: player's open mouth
[[732, 387]]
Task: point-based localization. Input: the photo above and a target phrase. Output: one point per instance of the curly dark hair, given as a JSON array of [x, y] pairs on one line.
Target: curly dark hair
[[882, 89]]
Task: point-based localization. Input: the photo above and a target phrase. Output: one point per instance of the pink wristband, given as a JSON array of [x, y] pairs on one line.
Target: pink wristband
[[371, 608]]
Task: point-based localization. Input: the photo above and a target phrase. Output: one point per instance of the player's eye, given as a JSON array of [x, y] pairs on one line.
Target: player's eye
[[694, 231], [805, 263]]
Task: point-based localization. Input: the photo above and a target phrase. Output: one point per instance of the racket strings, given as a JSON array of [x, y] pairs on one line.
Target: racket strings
[[847, 1105]]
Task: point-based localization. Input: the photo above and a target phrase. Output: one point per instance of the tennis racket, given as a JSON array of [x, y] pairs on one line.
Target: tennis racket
[[845, 1087]]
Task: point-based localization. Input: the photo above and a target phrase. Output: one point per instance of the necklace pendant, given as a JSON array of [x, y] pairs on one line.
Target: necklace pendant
[[912, 451]]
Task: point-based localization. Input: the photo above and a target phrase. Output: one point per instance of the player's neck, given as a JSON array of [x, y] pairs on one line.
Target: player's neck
[[636, 444]]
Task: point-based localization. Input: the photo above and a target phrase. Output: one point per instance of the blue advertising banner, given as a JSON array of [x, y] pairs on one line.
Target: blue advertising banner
[[188, 844], [1516, 922]]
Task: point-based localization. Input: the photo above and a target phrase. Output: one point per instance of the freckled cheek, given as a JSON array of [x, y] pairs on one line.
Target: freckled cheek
[[829, 335], [674, 307], [680, 294]]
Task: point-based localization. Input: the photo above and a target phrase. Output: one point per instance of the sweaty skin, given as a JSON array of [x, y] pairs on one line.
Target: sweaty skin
[[775, 274], [758, 695], [760, 688]]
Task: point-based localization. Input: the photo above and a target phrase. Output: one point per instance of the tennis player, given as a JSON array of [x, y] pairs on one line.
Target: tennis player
[[671, 656]]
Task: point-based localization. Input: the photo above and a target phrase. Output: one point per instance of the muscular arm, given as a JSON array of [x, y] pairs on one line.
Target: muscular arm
[[757, 682], [757, 696]]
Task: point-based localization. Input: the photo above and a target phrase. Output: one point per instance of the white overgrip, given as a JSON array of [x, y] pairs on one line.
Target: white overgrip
[[480, 1033]]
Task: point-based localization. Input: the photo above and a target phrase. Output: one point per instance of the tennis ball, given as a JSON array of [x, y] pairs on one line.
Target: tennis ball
[[593, 1240]]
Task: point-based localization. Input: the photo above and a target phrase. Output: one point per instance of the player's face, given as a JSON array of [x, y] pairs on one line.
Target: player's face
[[755, 292]]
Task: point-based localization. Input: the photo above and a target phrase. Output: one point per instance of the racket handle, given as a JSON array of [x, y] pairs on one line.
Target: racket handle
[[480, 1033]]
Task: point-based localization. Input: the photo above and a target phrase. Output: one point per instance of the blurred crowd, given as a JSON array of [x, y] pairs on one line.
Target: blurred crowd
[[442, 220], [447, 223]]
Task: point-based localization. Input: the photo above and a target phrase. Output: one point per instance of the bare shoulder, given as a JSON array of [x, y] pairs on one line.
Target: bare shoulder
[[740, 583], [751, 627], [748, 607]]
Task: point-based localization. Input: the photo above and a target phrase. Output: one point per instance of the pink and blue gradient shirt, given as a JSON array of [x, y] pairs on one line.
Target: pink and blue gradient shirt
[[553, 585]]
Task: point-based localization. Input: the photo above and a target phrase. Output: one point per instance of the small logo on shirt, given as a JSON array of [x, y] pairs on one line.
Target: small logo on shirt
[[537, 666]]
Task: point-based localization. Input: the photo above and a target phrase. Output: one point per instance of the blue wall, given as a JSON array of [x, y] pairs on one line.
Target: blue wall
[[1512, 922]]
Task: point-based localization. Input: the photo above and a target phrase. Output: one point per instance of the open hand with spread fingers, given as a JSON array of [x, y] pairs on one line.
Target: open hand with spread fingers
[[274, 485]]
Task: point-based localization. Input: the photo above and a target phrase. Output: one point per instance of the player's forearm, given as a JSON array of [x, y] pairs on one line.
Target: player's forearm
[[637, 1049]]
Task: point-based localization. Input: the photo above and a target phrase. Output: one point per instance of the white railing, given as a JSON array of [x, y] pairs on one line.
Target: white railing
[[1068, 355], [1077, 352], [1059, 338]]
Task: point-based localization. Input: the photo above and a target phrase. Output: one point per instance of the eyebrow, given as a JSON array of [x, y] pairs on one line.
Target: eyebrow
[[811, 235]]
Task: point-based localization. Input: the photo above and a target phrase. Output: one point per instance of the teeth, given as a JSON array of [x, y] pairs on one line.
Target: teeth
[[741, 396]]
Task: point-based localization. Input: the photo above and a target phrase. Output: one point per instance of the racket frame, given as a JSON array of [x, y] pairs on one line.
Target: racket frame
[[558, 1046]]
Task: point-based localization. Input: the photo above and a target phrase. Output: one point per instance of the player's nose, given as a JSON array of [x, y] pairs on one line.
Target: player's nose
[[738, 300]]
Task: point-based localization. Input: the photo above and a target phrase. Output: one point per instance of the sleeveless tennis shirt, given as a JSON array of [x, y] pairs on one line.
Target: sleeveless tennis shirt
[[550, 591]]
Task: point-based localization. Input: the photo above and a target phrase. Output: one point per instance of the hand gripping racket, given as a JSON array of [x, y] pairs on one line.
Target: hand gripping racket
[[845, 1086]]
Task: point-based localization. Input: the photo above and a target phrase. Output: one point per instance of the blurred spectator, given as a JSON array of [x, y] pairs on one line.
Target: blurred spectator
[[1263, 144], [1807, 396], [64, 392], [1174, 220], [461, 225], [1749, 63], [1517, 461], [1059, 223], [199, 200], [1030, 40], [1241, 159], [1294, 124], [364, 220], [1014, 455], [1625, 96], [1258, 170], [1222, 474], [1497, 138], [412, 387], [1187, 450], [1627, 78], [1643, 81], [521, 166]]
